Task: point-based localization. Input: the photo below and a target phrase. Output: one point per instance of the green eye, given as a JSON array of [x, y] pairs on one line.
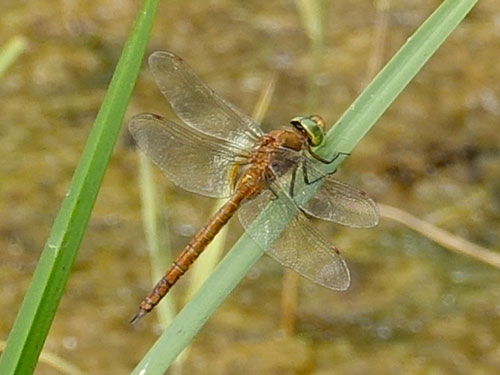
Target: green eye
[[313, 126]]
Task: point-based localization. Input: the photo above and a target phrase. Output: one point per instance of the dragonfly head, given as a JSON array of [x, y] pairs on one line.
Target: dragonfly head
[[312, 126]]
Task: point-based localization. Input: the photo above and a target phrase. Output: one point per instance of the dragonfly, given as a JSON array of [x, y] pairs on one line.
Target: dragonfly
[[218, 151]]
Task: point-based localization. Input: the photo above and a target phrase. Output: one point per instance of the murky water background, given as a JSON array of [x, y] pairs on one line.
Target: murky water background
[[413, 308]]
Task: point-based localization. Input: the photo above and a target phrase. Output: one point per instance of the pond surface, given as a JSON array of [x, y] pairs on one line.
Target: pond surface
[[413, 308]]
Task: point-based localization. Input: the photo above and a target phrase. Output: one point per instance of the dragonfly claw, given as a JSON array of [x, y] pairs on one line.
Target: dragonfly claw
[[137, 316]]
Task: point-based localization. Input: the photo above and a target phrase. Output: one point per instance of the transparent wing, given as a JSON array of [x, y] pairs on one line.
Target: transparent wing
[[192, 160], [332, 199], [197, 105], [299, 246]]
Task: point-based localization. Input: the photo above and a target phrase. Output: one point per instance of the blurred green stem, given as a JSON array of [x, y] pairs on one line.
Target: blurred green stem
[[156, 234], [10, 52], [40, 303]]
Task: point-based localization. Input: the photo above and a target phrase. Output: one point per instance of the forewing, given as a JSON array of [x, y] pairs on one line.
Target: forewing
[[198, 105], [299, 246], [190, 159], [331, 200]]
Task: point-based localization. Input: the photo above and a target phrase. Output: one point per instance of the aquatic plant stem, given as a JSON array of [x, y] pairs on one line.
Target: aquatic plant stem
[[444, 238], [10, 52], [40, 303]]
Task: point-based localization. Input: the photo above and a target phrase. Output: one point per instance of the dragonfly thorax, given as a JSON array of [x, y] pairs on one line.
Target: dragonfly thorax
[[264, 156]]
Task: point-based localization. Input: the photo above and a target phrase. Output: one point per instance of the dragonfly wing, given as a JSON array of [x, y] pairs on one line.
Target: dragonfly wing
[[333, 200], [197, 105], [299, 246], [192, 160]]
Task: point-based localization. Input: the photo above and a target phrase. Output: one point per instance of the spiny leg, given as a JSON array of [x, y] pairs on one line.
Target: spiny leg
[[292, 180], [326, 161]]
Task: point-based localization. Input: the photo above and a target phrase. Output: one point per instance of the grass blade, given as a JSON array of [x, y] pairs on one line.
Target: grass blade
[[44, 293], [350, 128], [312, 14], [10, 52], [158, 243], [395, 76]]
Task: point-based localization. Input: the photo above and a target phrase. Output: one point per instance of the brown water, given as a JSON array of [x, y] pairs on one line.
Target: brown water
[[414, 307]]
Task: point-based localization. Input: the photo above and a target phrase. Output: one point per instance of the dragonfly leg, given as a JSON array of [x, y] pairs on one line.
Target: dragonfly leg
[[304, 168], [275, 195], [306, 176], [326, 161], [270, 177], [292, 181]]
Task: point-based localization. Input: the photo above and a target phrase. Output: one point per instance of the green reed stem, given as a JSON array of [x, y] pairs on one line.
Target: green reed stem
[[40, 303]]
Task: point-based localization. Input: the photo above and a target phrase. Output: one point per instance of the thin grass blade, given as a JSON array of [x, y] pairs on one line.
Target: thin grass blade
[[10, 52], [46, 288], [158, 244]]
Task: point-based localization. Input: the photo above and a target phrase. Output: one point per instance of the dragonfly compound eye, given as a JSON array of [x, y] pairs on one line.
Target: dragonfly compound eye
[[313, 126]]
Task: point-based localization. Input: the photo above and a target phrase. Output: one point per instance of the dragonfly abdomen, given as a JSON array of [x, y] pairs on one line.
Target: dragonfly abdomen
[[192, 251]]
